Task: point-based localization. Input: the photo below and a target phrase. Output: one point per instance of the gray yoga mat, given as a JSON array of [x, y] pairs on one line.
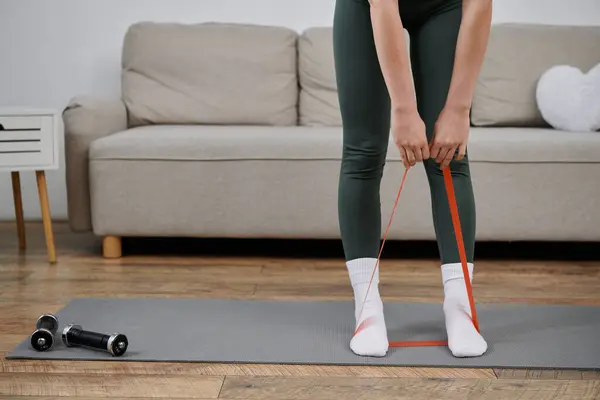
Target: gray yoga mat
[[283, 332]]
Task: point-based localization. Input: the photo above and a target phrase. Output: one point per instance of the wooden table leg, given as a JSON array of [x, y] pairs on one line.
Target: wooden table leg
[[46, 218], [16, 185]]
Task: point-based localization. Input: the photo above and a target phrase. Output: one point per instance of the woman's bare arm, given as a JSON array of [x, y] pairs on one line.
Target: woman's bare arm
[[392, 53], [470, 50], [408, 129], [451, 131]]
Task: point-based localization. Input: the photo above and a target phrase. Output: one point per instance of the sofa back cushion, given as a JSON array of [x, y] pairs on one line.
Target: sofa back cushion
[[516, 57], [210, 73], [319, 104]]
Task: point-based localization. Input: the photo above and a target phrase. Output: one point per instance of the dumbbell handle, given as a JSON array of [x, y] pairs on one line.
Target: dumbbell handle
[[90, 339], [115, 344]]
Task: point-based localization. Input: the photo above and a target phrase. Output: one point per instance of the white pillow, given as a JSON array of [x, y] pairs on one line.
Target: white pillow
[[568, 99]]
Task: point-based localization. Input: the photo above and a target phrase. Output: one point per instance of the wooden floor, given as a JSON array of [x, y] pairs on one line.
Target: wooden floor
[[29, 286]]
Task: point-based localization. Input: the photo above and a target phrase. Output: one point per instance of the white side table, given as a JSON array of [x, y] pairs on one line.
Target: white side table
[[29, 141]]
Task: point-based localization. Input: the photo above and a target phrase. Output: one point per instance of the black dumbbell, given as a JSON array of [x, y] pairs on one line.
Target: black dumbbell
[[74, 335], [42, 339]]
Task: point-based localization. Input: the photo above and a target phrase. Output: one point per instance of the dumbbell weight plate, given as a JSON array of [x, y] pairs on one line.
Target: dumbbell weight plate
[[42, 339]]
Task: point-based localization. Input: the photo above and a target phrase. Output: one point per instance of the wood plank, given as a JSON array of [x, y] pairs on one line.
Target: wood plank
[[551, 374], [57, 292], [165, 386], [299, 388], [152, 274], [214, 369], [98, 398], [8, 342]]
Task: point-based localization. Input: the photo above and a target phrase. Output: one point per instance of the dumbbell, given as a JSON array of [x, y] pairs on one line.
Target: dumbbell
[[42, 339], [115, 344]]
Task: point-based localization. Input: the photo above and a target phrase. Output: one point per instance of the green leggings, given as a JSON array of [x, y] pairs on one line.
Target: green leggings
[[433, 27]]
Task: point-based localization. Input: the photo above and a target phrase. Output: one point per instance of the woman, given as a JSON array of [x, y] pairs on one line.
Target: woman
[[429, 124]]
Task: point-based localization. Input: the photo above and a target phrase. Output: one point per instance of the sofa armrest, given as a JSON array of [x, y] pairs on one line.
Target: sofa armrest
[[85, 120]]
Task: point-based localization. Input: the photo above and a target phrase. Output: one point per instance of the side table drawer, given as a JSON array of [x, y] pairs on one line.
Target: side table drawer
[[26, 141]]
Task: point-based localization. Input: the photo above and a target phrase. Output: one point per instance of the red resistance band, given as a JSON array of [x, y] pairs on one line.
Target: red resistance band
[[463, 260]]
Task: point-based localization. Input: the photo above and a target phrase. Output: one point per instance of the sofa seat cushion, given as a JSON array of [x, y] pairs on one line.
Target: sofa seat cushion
[[530, 145], [259, 182], [205, 143]]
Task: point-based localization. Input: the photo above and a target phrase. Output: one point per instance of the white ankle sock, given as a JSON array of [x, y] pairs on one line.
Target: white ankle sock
[[463, 338], [371, 337]]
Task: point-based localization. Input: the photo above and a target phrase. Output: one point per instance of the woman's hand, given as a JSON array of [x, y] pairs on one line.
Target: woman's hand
[[451, 132], [408, 130]]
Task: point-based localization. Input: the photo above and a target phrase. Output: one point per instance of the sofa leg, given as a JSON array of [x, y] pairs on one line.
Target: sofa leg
[[111, 247]]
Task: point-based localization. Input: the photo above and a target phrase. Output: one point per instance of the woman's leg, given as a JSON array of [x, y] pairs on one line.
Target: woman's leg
[[365, 111], [433, 46]]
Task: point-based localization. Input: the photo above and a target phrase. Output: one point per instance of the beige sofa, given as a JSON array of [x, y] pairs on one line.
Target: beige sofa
[[228, 130]]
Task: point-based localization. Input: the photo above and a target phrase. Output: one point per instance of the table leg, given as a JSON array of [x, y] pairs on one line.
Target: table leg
[[16, 185], [47, 220]]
